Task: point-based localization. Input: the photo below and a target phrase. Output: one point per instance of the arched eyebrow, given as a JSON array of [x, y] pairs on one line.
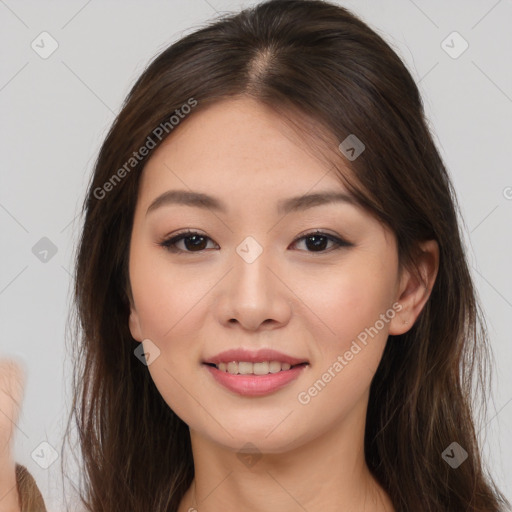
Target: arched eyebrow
[[284, 206]]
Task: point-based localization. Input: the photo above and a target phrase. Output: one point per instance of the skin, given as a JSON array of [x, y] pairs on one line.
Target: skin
[[306, 303], [12, 383]]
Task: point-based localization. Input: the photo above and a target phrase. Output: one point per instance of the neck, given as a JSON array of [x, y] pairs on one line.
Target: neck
[[327, 474]]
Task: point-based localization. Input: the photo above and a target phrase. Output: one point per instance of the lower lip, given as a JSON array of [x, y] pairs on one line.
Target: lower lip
[[255, 385]]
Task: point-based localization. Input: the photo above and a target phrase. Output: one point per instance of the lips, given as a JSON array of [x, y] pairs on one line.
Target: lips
[[251, 356]]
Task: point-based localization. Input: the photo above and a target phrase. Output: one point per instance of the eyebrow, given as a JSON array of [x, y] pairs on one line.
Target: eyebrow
[[284, 206]]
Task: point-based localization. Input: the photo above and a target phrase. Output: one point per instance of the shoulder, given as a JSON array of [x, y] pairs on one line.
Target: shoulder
[[31, 499]]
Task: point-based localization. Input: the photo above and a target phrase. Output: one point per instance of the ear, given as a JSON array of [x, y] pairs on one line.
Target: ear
[[134, 324], [415, 287]]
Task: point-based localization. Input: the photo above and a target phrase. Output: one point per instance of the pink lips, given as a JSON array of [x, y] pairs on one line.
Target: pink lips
[[255, 385], [264, 354]]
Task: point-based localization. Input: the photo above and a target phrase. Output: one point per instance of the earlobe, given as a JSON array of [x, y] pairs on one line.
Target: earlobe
[[416, 286], [134, 324]]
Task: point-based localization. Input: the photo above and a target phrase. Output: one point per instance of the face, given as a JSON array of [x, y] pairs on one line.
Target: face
[[315, 282]]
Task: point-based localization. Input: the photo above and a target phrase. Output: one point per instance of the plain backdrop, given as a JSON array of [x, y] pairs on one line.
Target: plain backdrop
[[57, 110]]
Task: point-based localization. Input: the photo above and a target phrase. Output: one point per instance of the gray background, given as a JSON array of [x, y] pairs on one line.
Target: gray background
[[56, 111]]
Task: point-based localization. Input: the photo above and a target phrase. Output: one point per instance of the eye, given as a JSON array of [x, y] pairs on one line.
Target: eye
[[194, 242], [317, 241]]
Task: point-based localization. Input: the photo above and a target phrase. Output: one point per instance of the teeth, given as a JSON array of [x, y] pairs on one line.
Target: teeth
[[261, 368], [246, 368], [274, 366]]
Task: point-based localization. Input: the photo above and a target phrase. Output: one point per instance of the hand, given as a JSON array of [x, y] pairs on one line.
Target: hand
[[12, 383]]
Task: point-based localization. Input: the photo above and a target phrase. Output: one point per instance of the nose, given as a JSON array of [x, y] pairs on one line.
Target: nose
[[252, 296]]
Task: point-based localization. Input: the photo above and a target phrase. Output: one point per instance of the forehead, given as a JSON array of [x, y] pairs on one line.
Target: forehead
[[241, 146]]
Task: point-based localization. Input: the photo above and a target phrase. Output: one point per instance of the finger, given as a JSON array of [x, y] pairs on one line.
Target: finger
[[12, 383]]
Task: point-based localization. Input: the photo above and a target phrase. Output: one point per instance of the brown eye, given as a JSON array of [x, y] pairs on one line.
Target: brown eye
[[318, 241], [192, 242]]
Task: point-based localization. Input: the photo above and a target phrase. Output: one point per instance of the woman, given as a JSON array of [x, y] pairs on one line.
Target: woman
[[275, 307]]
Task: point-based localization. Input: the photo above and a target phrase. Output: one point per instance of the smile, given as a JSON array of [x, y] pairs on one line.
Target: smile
[[251, 384], [258, 368]]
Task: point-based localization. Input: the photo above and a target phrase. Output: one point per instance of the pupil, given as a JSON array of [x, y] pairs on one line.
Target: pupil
[[317, 244], [194, 245]]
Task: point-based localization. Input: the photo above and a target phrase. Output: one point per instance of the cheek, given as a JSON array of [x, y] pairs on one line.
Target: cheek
[[165, 295], [349, 301], [348, 360], [350, 304], [169, 308]]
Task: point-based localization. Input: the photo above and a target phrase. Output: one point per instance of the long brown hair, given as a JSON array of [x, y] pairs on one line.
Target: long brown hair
[[316, 60]]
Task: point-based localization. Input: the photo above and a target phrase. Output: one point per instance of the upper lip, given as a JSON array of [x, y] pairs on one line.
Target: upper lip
[[253, 356]]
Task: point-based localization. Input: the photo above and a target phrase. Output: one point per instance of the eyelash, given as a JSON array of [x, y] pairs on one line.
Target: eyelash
[[170, 243]]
